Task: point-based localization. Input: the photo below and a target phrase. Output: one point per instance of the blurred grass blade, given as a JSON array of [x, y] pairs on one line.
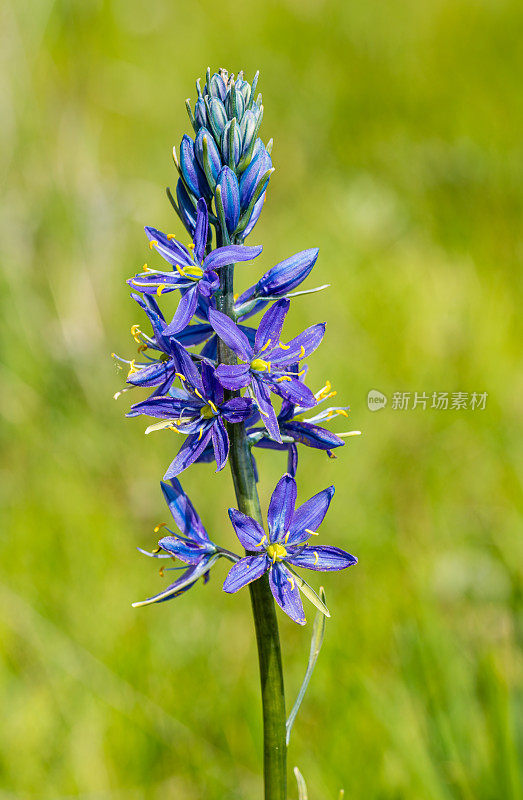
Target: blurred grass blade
[[318, 631], [302, 786]]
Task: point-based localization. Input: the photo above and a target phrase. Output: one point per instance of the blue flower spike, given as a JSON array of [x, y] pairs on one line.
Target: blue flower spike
[[285, 546]]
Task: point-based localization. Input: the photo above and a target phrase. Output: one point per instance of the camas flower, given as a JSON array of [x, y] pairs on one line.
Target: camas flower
[[267, 366], [296, 429], [198, 412], [191, 545], [173, 357], [193, 272], [285, 546]]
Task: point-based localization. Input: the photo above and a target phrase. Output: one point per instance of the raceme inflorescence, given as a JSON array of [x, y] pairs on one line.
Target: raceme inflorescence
[[231, 387]]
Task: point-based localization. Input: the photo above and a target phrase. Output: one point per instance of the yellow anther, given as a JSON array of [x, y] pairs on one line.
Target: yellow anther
[[286, 537], [194, 272], [213, 406], [277, 552], [180, 376], [311, 533], [302, 352], [191, 246], [341, 412], [284, 346], [171, 236], [283, 378], [302, 372], [291, 581], [160, 572], [259, 365], [157, 528], [160, 289], [265, 346], [152, 243], [235, 297], [197, 393], [200, 434], [132, 368], [264, 538], [135, 333], [142, 348], [315, 558], [157, 550]]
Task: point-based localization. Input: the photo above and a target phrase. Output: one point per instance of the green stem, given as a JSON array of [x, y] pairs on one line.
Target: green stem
[[263, 608]]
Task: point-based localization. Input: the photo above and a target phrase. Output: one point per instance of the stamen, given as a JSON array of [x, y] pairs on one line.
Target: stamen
[[348, 433], [191, 246], [265, 346], [210, 402], [135, 333], [171, 236], [302, 352], [152, 243], [235, 297], [341, 412], [291, 581], [315, 558], [284, 346], [157, 549], [180, 376], [283, 378], [311, 533], [197, 393], [160, 289], [160, 572], [133, 368], [156, 529], [142, 348], [262, 541], [180, 270]]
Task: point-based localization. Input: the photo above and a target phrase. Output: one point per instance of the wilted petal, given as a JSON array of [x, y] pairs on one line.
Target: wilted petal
[[322, 558], [248, 530], [281, 508], [286, 593], [183, 512], [309, 516]]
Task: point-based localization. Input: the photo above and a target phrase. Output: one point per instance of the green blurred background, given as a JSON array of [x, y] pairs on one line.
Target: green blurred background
[[397, 130]]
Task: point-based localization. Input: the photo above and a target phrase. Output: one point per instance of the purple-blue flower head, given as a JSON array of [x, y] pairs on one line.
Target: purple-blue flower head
[[193, 272], [190, 544], [200, 413], [268, 365], [285, 546]]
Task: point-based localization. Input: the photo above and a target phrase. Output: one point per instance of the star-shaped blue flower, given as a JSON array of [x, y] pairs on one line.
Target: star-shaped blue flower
[[285, 546], [193, 272]]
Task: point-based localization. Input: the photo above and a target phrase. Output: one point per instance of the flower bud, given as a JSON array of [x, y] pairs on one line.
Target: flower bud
[[215, 162], [234, 104], [230, 196], [217, 117], [217, 87], [187, 209], [200, 113], [249, 180], [287, 275], [231, 132], [191, 170]]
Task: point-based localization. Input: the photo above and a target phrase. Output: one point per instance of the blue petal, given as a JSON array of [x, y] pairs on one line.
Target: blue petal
[[311, 435], [248, 530], [256, 211], [231, 254], [230, 194], [263, 401], [153, 374], [183, 512], [294, 391], [302, 345], [287, 275], [321, 558], [191, 170], [212, 151], [286, 593], [245, 571], [249, 180], [220, 443], [271, 324], [201, 230], [233, 376], [186, 207], [186, 551], [237, 409], [184, 312], [281, 508], [193, 446], [231, 334], [309, 516], [173, 252]]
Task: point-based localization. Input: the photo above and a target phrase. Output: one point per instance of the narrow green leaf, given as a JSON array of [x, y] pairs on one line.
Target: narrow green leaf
[[302, 786], [318, 631]]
